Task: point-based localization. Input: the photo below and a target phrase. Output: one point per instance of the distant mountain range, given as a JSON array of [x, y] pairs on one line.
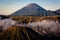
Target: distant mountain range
[[35, 10]]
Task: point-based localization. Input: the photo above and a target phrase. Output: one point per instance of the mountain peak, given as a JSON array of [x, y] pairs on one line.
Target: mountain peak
[[32, 5], [34, 9], [31, 9]]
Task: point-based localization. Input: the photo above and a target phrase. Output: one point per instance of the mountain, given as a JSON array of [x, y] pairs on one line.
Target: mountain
[[35, 10], [30, 10], [58, 11], [24, 33]]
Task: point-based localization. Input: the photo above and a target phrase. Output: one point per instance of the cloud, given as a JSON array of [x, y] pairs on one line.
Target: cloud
[[46, 26], [6, 23]]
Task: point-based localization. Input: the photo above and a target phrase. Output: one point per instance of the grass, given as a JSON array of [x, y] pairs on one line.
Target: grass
[[33, 18]]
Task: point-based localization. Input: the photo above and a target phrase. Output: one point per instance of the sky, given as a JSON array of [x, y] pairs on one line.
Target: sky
[[9, 6]]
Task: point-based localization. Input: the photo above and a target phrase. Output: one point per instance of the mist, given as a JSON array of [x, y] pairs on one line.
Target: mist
[[47, 26], [6, 23]]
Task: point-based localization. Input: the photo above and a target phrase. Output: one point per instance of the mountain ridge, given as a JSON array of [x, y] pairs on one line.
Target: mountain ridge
[[34, 9]]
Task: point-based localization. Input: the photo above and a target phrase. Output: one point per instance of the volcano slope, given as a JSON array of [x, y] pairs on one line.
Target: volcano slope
[[19, 33], [24, 33]]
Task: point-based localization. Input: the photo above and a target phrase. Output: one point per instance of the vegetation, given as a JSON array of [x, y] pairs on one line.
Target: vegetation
[[24, 33], [19, 33], [29, 19]]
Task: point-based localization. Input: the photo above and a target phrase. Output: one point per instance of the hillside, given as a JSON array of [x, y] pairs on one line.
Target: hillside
[[24, 33], [19, 33]]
